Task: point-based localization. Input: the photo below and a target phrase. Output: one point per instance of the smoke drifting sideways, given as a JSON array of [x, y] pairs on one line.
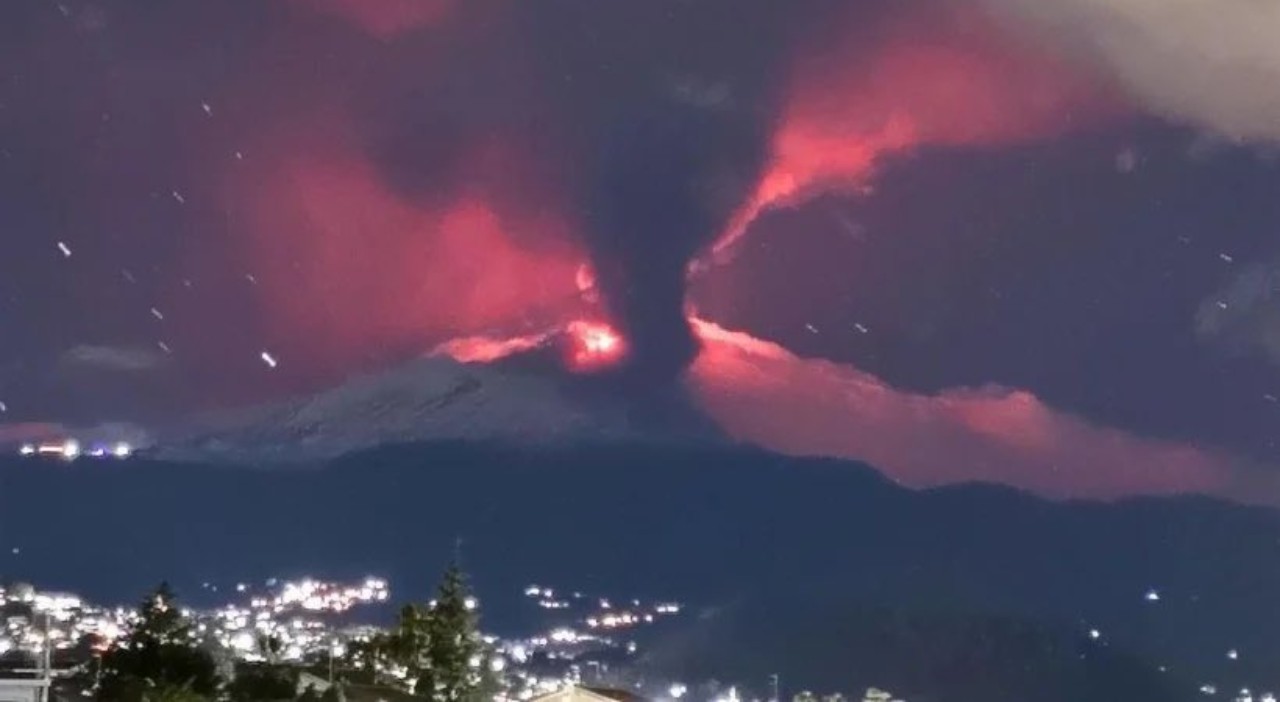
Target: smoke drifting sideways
[[939, 75], [759, 392]]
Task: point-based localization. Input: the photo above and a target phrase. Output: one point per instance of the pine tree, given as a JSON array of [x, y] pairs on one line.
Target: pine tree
[[453, 646], [160, 621], [408, 645], [360, 664], [158, 657]]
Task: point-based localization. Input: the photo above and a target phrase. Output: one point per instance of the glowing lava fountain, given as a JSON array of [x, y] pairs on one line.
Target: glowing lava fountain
[[593, 346]]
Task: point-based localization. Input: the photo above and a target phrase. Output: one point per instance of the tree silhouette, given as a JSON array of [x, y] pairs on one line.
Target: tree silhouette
[[436, 645], [265, 680], [270, 647], [360, 664], [407, 646], [158, 658], [454, 650]]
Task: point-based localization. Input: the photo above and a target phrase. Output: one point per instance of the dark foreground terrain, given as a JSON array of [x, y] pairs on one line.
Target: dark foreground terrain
[[820, 570]]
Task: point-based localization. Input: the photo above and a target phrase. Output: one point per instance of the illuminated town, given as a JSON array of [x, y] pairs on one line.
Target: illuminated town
[[71, 449], [313, 620]]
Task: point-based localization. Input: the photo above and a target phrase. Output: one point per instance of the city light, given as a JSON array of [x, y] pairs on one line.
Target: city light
[[304, 616], [70, 449]]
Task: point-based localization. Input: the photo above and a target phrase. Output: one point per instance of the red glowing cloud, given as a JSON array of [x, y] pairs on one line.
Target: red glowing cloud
[[938, 78], [486, 348], [585, 346], [383, 18], [345, 265], [761, 393]]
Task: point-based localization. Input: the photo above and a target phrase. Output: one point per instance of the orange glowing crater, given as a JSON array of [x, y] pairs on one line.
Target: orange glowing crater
[[593, 345]]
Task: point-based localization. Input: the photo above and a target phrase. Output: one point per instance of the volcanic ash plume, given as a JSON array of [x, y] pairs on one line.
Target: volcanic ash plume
[[671, 116], [667, 178]]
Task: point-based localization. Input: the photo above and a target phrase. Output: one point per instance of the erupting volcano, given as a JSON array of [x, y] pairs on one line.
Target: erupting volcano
[[659, 162], [555, 188]]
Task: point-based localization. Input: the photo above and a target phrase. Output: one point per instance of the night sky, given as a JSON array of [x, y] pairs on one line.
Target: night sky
[[1051, 226]]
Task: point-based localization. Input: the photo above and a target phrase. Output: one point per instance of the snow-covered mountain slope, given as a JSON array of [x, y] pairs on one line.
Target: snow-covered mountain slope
[[427, 399]]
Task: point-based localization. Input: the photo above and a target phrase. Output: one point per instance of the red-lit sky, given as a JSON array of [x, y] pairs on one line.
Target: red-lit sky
[[1042, 238]]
